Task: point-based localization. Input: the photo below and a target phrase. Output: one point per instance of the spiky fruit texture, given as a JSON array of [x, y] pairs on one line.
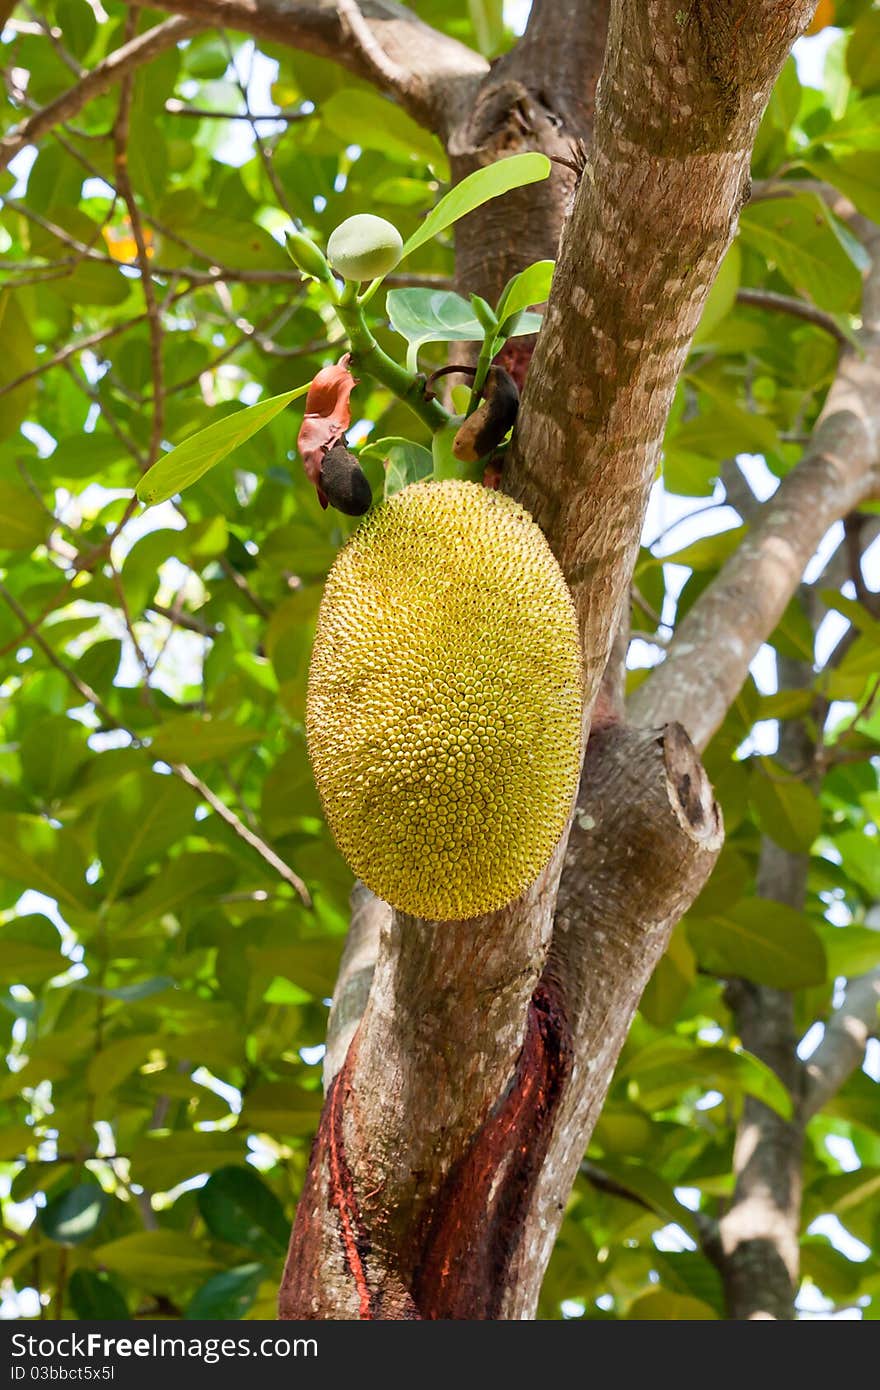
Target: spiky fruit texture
[[364, 246], [444, 701]]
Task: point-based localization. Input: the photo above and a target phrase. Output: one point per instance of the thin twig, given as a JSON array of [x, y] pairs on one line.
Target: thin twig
[[177, 108], [123, 183], [123, 60], [55, 36], [797, 308], [283, 870], [178, 618], [265, 158], [181, 770]]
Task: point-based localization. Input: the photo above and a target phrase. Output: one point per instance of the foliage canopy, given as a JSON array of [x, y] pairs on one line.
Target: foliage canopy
[[164, 988]]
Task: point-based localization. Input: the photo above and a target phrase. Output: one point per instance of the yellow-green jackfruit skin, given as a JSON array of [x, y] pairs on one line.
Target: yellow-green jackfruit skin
[[444, 701]]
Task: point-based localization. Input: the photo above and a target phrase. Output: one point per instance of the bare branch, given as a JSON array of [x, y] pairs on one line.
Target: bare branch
[[179, 108], [657, 208], [714, 644], [125, 59], [369, 917], [843, 1046], [797, 308], [430, 74], [385, 70]]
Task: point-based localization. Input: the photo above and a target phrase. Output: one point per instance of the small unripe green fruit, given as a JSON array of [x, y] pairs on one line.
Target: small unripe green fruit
[[363, 247]]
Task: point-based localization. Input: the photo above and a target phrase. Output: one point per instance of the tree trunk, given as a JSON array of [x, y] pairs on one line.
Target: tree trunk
[[452, 1132]]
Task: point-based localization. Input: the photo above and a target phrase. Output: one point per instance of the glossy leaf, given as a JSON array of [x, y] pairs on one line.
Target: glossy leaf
[[75, 1215], [475, 189], [192, 459], [761, 940], [226, 1296], [238, 1207]]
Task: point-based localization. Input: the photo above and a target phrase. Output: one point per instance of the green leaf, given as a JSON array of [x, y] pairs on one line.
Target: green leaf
[[654, 1191], [446, 465], [861, 859], [108, 1068], [661, 1305], [135, 993], [185, 878], [95, 1296], [531, 286], [39, 856], [75, 1215], [760, 940], [722, 295], [142, 819], [193, 458], [858, 126], [195, 738], [51, 751], [487, 17], [358, 116], [851, 950], [671, 982], [863, 50], [310, 964], [854, 172], [478, 188], [227, 1296], [663, 1070], [281, 1109], [24, 522], [431, 316], [238, 1207], [159, 1259], [19, 357], [30, 951], [78, 25], [404, 462], [159, 1164], [801, 238], [283, 991], [787, 810]]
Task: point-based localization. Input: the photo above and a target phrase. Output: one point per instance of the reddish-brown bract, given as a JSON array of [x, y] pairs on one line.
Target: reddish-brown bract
[[327, 417]]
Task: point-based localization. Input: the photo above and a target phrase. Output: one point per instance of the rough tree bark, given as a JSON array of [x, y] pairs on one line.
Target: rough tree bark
[[448, 1142], [758, 1251], [422, 1196], [466, 1063]]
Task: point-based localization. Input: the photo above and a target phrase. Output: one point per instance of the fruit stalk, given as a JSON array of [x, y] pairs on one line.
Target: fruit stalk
[[371, 358]]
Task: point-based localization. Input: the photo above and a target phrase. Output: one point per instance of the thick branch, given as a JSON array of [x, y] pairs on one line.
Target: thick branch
[[369, 918], [540, 96], [759, 1249], [452, 1134], [714, 644], [843, 1046], [430, 74], [646, 836], [656, 210], [447, 1017], [131, 55]]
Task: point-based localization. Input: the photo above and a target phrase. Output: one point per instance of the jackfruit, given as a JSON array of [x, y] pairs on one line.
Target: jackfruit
[[444, 701]]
